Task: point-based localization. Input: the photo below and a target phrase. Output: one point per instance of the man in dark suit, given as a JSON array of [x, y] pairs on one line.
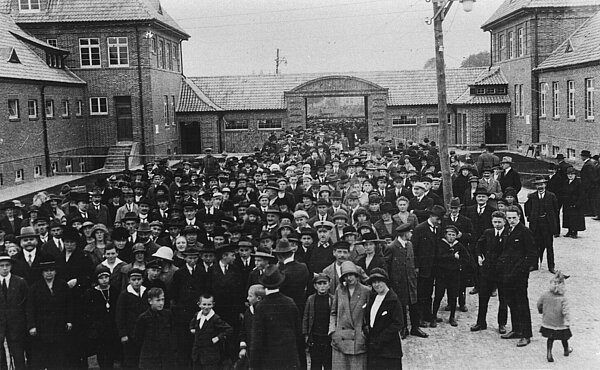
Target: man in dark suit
[[296, 189], [11, 223], [487, 159], [295, 284], [557, 185], [541, 210], [55, 244], [276, 326], [589, 182], [509, 177], [83, 202], [28, 260], [424, 240], [398, 191], [514, 263], [97, 210], [13, 322], [419, 204], [489, 246], [244, 262]]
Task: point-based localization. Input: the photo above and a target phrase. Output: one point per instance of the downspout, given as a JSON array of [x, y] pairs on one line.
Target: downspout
[[45, 131], [535, 83], [141, 97], [491, 53], [220, 131]]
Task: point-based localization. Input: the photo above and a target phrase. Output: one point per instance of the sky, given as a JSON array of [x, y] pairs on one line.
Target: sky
[[239, 37]]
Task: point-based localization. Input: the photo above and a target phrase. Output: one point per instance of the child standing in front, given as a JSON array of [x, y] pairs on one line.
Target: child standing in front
[[553, 306], [209, 331], [315, 323]]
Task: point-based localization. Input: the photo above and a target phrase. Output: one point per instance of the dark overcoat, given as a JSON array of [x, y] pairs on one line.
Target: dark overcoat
[[49, 311], [518, 254], [574, 200], [401, 270], [154, 333], [383, 336], [550, 206], [424, 243], [13, 323]]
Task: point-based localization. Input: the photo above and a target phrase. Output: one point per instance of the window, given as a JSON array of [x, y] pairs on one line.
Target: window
[[66, 112], [118, 52], [518, 100], [520, 42], [555, 150], [37, 171], [172, 110], [176, 57], [543, 93], [13, 109], [49, 108], [161, 54], [153, 45], [571, 153], [480, 90], [404, 120], [19, 175], [168, 55], [89, 53], [501, 90], [239, 124], [29, 5], [269, 123], [432, 120], [166, 110], [52, 42], [555, 100], [500, 46], [79, 108], [54, 167], [32, 109], [571, 99], [98, 106], [589, 98], [81, 165], [69, 165], [511, 44], [490, 91]]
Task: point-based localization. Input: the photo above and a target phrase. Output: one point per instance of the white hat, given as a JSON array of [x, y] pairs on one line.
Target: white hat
[[164, 253], [420, 185]]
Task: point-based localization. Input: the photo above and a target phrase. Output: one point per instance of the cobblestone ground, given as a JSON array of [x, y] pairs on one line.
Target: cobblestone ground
[[453, 348]]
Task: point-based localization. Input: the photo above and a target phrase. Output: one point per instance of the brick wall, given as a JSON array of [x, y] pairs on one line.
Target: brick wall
[[418, 132], [565, 133]]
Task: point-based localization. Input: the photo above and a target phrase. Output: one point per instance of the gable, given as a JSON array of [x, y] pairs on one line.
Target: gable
[[336, 84]]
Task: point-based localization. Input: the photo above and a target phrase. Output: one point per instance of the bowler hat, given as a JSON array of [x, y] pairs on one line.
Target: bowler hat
[[585, 153], [437, 210], [481, 191], [283, 246], [272, 277], [27, 232], [454, 202]]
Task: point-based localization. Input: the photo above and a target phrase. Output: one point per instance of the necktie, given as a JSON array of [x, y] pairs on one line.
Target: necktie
[[4, 289], [98, 208], [30, 260], [60, 245], [480, 211]]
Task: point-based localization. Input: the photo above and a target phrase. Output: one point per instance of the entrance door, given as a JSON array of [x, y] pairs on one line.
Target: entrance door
[[190, 137], [124, 118], [495, 129]]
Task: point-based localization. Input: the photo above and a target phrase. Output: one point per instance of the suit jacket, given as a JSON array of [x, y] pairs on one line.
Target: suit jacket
[[392, 195], [346, 320], [228, 291], [204, 351], [51, 248], [518, 254], [185, 291], [123, 210], [30, 273], [464, 225], [424, 243], [548, 205], [489, 247], [401, 271], [102, 215], [419, 209], [12, 228], [510, 179], [13, 319], [480, 223], [377, 262], [297, 193], [49, 311], [296, 282], [275, 333], [384, 334], [493, 187], [335, 280]]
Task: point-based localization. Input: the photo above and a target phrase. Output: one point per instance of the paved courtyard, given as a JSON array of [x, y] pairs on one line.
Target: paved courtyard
[[458, 348]]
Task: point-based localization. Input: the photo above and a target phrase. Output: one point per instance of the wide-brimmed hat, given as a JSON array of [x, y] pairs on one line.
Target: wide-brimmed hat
[[481, 191], [340, 214], [164, 253], [454, 202], [263, 253], [283, 246], [47, 263], [224, 248], [7, 205], [370, 237], [387, 207], [539, 180], [348, 267], [506, 159], [323, 202], [378, 274], [272, 277], [27, 232], [437, 210]]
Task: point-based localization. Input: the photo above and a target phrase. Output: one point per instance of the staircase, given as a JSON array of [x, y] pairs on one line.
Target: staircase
[[115, 159]]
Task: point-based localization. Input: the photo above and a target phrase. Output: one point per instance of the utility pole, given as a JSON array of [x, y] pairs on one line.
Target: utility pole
[[279, 61]]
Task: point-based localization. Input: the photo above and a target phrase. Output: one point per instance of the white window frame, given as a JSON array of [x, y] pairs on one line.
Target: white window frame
[[571, 99], [19, 175], [520, 42], [240, 125], [501, 46], [87, 49], [27, 6], [543, 98], [54, 167], [511, 45], [79, 108], [555, 99], [172, 110], [404, 120], [66, 109], [266, 120], [35, 109], [96, 106], [52, 42], [49, 107], [69, 165], [118, 45], [13, 104], [166, 110], [37, 171], [589, 98]]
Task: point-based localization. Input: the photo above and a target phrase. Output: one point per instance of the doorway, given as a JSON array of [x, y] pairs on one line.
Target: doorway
[[124, 118], [190, 137], [495, 129]]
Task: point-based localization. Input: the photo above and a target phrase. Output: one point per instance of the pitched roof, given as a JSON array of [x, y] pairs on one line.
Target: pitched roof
[[584, 46], [266, 92], [31, 66], [96, 11], [492, 77], [467, 99], [511, 6]]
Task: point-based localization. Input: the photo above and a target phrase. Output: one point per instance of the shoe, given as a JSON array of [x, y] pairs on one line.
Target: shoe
[[568, 234], [433, 324], [418, 333], [502, 329], [423, 324], [510, 335], [557, 235], [474, 291], [452, 321], [552, 270], [478, 327], [447, 308], [533, 268], [574, 236], [495, 293], [438, 319], [523, 342], [463, 308], [568, 351], [549, 356], [404, 333], [596, 218]]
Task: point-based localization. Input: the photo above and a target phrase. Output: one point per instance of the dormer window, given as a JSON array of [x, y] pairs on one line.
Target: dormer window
[[569, 47], [29, 5], [13, 57], [54, 60]]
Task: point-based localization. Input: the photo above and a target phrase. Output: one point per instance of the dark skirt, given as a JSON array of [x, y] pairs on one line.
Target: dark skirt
[[384, 363], [562, 334]]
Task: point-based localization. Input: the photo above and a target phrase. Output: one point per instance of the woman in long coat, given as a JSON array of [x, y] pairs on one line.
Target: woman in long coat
[[348, 339], [383, 320], [573, 218]]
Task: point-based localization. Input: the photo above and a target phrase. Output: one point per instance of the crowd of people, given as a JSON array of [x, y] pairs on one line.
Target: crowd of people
[[252, 262]]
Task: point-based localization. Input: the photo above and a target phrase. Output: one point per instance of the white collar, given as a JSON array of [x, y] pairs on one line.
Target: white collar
[[288, 260], [130, 290], [251, 309], [402, 242], [7, 277], [271, 291], [117, 261], [207, 317], [496, 231]]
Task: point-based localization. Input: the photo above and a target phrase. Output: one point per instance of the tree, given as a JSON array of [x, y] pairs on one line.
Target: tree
[[430, 63], [481, 59]]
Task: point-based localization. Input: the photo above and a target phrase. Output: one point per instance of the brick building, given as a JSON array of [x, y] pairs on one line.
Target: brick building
[[550, 81], [237, 113], [129, 55]]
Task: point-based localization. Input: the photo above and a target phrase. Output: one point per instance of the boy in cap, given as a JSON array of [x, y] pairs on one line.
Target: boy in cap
[[315, 323], [131, 304]]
